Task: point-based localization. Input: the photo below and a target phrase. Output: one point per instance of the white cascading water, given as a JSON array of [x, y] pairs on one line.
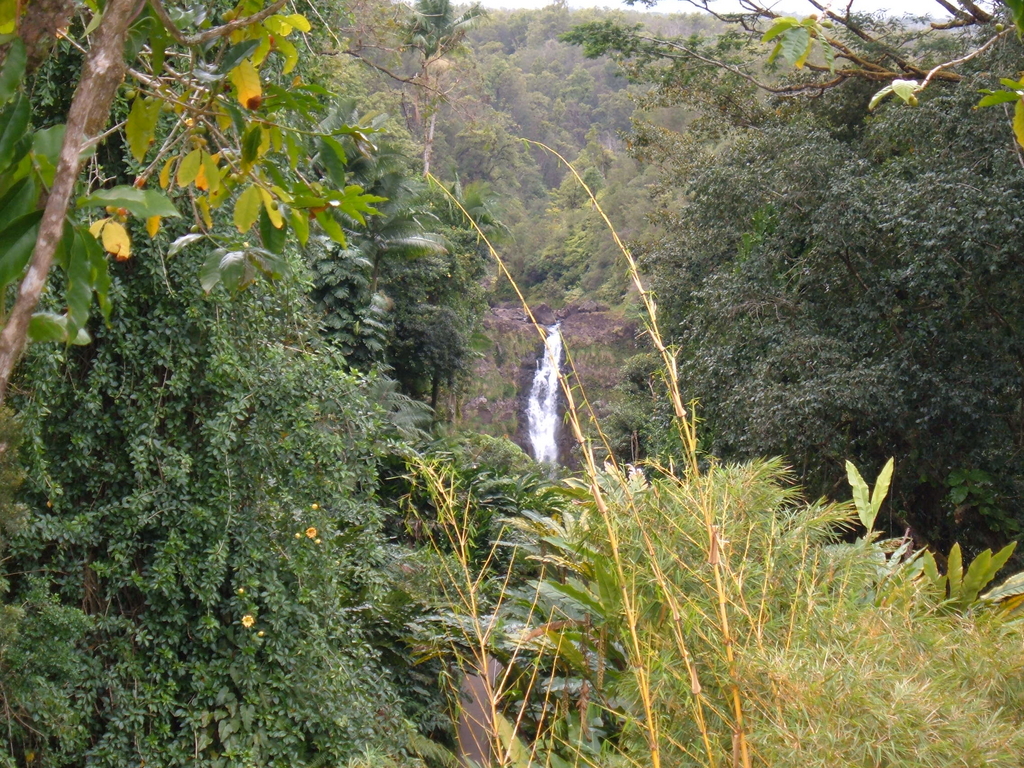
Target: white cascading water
[[542, 408]]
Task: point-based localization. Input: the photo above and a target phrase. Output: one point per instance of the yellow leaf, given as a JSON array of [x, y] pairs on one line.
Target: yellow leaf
[[1018, 121], [272, 209], [97, 226], [247, 83], [204, 209], [200, 179], [153, 225], [299, 21], [223, 120], [115, 240], [261, 52], [165, 174]]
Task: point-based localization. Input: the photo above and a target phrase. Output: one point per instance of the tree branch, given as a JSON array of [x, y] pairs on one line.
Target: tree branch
[[216, 32], [90, 109]]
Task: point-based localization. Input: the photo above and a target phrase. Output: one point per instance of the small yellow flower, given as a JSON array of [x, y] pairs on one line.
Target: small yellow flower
[[241, 591], [261, 633], [318, 542], [298, 535], [314, 506], [311, 533], [248, 620]]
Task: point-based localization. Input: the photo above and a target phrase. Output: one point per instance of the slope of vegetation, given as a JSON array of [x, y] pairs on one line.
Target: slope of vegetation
[[237, 524]]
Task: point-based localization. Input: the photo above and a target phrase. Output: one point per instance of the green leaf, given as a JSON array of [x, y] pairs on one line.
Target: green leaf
[[998, 97], [183, 241], [141, 202], [99, 270], [141, 126], [13, 125], [228, 267], [778, 27], [16, 244], [881, 489], [332, 155], [274, 239], [331, 227], [247, 208], [1012, 587], [18, 201], [861, 496], [906, 90], [877, 98], [78, 290], [251, 147], [46, 326], [796, 44], [955, 572], [12, 70], [189, 168], [1016, 8]]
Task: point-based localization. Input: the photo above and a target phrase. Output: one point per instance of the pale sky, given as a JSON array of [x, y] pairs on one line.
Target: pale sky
[[796, 7]]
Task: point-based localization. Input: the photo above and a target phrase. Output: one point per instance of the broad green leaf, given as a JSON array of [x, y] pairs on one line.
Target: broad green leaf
[[99, 270], [78, 290], [19, 200], [998, 97], [247, 85], [1018, 122], [975, 578], [955, 572], [209, 173], [251, 147], [183, 241], [829, 55], [16, 244], [1012, 587], [332, 155], [140, 202], [274, 238], [331, 227], [778, 27], [13, 125], [877, 98], [13, 69], [46, 326], [299, 21], [796, 44], [906, 90], [861, 495], [514, 752], [881, 489], [1016, 8], [931, 572], [141, 126], [247, 208]]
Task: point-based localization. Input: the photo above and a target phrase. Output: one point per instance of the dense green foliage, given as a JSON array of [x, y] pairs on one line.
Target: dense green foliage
[[851, 289]]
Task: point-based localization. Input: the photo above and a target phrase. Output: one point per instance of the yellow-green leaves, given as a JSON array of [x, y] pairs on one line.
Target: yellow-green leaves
[[794, 40], [8, 16], [869, 503], [140, 129], [907, 90], [1014, 93], [247, 208], [246, 80]]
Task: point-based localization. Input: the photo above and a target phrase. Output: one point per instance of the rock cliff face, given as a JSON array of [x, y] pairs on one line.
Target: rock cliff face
[[597, 341]]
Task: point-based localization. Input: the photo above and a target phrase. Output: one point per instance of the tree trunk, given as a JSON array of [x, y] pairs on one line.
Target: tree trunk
[[90, 108], [428, 143]]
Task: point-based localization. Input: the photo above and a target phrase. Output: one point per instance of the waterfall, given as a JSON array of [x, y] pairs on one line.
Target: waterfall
[[542, 408]]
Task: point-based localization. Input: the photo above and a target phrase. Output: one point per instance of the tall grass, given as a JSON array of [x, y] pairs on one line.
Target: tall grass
[[706, 615]]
